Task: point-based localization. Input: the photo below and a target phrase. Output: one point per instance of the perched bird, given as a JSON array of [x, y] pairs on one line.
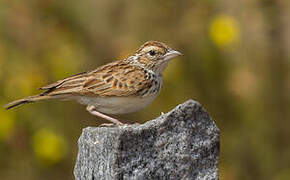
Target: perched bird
[[120, 87]]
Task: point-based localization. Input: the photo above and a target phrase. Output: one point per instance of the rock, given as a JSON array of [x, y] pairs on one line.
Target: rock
[[182, 144]]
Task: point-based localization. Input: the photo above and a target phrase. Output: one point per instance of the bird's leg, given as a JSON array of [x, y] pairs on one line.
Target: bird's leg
[[93, 111]]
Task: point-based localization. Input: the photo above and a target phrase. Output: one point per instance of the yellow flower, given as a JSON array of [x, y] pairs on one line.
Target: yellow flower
[[7, 124], [224, 30], [49, 147]]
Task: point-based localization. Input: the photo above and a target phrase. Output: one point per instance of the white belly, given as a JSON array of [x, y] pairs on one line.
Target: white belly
[[117, 105]]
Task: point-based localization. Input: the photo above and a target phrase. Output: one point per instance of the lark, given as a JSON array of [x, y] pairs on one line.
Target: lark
[[120, 87]]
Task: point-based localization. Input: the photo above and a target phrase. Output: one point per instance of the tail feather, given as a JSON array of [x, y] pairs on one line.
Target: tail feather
[[29, 99]]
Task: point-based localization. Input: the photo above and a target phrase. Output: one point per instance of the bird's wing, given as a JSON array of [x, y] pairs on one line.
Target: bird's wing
[[119, 79], [114, 79]]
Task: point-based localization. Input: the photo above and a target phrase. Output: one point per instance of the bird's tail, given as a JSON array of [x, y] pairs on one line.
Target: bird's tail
[[26, 100]]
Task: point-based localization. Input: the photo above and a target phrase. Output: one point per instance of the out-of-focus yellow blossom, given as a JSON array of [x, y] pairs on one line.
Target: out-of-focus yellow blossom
[[7, 124], [49, 147], [224, 30]]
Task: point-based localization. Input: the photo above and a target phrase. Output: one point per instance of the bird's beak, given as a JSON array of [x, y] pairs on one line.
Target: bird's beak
[[171, 54]]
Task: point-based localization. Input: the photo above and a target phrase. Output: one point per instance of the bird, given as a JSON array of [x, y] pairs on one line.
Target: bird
[[120, 87]]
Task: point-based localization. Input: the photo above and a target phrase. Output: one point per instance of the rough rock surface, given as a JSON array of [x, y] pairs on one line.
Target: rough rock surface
[[181, 144]]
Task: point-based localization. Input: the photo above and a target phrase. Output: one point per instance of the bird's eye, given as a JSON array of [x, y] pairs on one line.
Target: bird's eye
[[152, 53]]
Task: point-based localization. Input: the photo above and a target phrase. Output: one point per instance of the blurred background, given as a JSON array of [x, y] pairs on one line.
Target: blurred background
[[236, 63]]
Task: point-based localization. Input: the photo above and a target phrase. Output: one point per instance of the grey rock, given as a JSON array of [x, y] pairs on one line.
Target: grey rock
[[181, 144]]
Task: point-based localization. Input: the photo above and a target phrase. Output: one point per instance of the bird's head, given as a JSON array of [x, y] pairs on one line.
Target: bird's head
[[155, 56]]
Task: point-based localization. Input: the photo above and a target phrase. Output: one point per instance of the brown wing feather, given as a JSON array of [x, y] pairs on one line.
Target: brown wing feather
[[118, 78]]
